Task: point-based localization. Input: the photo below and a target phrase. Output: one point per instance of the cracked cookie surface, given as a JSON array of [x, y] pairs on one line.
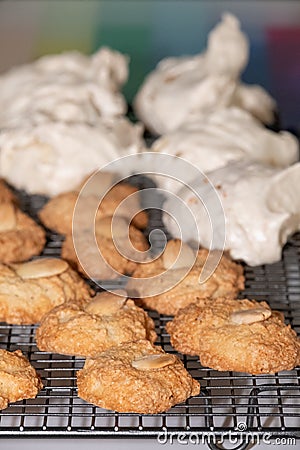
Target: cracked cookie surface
[[135, 377], [85, 330], [116, 260], [18, 379], [57, 214], [227, 280], [20, 236], [29, 290], [235, 335]]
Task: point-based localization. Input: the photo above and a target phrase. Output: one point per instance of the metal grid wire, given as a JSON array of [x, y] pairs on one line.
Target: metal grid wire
[[228, 400]]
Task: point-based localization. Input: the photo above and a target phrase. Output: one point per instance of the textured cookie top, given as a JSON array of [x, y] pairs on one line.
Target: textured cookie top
[[238, 335], [135, 377], [227, 280], [130, 355], [113, 199], [118, 250], [87, 329], [29, 290], [57, 214], [20, 237], [18, 379]]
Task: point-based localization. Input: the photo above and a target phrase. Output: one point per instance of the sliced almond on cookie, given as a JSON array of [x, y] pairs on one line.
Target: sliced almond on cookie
[[177, 255], [41, 268], [116, 227], [248, 316], [153, 362], [107, 303], [97, 183], [8, 218]]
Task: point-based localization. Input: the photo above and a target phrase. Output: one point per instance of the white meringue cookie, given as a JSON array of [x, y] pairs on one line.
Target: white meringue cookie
[[53, 157], [180, 89], [70, 87], [261, 206], [256, 101], [225, 136], [227, 48]]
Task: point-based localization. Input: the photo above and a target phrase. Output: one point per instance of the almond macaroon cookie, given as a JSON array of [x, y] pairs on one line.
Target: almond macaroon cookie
[[227, 279], [235, 335], [20, 237], [18, 379], [29, 290], [57, 214], [103, 259], [135, 377], [85, 330]]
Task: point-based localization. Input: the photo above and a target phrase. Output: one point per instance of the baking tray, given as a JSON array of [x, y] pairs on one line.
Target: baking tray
[[236, 407]]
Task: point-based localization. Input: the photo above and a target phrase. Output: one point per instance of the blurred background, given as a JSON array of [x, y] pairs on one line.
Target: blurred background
[[150, 30]]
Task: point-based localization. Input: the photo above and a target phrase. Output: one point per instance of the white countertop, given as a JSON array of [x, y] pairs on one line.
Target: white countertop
[[112, 444]]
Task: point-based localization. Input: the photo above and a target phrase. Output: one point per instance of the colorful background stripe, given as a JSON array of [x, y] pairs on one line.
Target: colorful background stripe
[[150, 30]]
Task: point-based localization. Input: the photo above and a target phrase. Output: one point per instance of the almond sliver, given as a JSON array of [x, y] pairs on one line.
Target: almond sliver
[[112, 227], [177, 255], [97, 184], [8, 219], [107, 303], [153, 362], [248, 316], [42, 268]]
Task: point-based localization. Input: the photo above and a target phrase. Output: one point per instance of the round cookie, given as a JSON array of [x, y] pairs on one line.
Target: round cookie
[[6, 195], [135, 377], [85, 330], [89, 263], [18, 379], [29, 290], [57, 214], [20, 237], [227, 280], [115, 196], [235, 335]]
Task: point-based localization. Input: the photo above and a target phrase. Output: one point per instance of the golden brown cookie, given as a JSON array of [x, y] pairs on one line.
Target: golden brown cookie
[[88, 253], [57, 214], [85, 330], [113, 199], [29, 290], [238, 335], [20, 237], [6, 195], [135, 377], [227, 280], [18, 379]]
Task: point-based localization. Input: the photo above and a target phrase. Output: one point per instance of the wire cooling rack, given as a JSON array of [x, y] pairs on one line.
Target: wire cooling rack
[[230, 404]]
